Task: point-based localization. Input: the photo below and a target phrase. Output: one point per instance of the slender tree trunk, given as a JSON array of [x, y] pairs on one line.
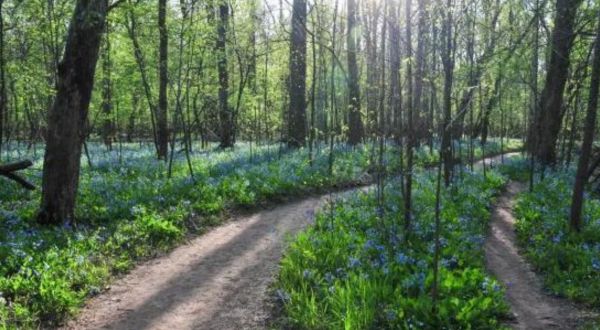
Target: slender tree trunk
[[225, 113], [313, 91], [297, 88], [448, 63], [141, 62], [549, 118], [356, 131], [68, 116], [411, 102], [107, 125], [588, 139], [2, 77], [161, 116], [395, 90]]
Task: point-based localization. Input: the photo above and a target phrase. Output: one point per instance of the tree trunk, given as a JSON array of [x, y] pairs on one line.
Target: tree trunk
[[161, 117], [107, 125], [2, 77], [355, 134], [225, 114], [395, 106], [68, 116], [411, 101], [297, 108], [588, 139], [550, 114], [448, 63]]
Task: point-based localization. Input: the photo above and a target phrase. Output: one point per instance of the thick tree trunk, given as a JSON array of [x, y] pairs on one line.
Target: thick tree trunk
[[297, 109], [225, 113], [162, 132], [588, 139], [68, 116], [550, 114], [356, 131]]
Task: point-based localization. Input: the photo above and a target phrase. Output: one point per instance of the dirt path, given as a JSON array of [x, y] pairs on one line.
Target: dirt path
[[531, 306], [216, 281]]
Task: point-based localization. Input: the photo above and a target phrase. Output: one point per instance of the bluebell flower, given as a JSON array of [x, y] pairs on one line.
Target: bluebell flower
[[329, 277], [402, 258], [596, 264], [307, 273], [390, 315], [353, 262], [283, 296], [557, 238]]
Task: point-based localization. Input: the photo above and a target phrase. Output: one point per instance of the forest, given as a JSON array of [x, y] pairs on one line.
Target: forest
[[299, 164]]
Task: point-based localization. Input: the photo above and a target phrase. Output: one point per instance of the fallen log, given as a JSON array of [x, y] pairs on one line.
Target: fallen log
[[8, 170]]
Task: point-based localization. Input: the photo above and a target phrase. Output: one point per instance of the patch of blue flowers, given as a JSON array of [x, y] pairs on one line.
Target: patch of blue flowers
[[568, 261], [365, 275]]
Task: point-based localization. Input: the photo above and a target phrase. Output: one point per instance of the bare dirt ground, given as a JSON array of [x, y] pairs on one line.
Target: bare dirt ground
[[531, 306], [217, 281]]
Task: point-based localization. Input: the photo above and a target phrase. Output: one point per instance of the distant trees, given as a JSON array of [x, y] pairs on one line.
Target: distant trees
[[409, 71], [67, 119]]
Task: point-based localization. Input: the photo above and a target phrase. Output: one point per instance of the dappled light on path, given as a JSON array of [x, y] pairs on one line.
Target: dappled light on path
[[217, 281]]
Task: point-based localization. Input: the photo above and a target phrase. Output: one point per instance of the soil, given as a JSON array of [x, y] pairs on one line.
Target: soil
[[217, 281]]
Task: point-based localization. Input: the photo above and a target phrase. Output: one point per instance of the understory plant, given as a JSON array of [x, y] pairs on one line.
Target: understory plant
[[353, 269], [568, 261]]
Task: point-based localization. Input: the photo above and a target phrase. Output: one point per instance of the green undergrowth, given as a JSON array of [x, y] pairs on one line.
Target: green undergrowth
[[129, 210], [569, 262], [353, 269]]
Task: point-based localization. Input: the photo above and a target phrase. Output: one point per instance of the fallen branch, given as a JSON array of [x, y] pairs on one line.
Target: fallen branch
[[8, 169]]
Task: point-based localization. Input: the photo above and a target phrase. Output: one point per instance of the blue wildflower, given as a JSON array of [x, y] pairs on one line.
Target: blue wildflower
[[283, 296], [353, 262]]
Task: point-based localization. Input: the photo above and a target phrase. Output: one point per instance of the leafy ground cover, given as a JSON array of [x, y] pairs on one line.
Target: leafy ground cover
[[569, 262], [353, 269], [129, 210]]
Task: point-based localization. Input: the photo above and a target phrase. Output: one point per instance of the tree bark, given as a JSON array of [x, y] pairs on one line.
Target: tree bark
[[588, 140], [2, 77], [550, 114], [68, 116], [161, 117], [225, 113], [356, 131], [107, 126], [448, 64], [395, 106], [8, 169], [297, 108]]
